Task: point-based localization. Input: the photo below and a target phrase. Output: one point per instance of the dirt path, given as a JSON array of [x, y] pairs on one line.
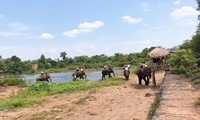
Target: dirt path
[[6, 92], [177, 100], [129, 101]]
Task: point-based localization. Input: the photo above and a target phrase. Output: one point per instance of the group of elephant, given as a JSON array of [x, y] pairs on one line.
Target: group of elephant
[[143, 74], [81, 74]]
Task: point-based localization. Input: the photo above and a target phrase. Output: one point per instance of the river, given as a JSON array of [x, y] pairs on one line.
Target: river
[[65, 76]]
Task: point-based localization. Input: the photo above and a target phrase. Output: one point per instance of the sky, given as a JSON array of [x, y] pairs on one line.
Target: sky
[[30, 28]]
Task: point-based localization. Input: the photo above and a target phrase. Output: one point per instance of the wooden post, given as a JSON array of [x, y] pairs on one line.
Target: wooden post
[[153, 77]]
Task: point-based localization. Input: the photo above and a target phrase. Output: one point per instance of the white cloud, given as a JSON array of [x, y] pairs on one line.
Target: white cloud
[[176, 2], [183, 12], [84, 28], [131, 20], [46, 36], [93, 25]]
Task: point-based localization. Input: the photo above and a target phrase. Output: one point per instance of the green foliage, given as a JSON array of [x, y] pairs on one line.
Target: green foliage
[[16, 102], [183, 61], [197, 81], [31, 95], [2, 66], [12, 81], [42, 64], [195, 45], [14, 65]]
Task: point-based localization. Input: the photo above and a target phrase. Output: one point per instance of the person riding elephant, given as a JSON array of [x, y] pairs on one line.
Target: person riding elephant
[[143, 63], [144, 73], [107, 70], [126, 71], [79, 73], [44, 77]]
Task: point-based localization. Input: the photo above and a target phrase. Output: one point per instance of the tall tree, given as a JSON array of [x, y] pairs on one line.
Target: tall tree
[[14, 65], [198, 9], [63, 55], [42, 62]]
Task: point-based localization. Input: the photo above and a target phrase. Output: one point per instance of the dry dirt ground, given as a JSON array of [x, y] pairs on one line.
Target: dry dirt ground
[[129, 101]]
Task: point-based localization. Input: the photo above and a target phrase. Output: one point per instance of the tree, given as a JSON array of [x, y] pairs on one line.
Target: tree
[[63, 55], [42, 62], [183, 60], [81, 59], [198, 9], [195, 45], [14, 65]]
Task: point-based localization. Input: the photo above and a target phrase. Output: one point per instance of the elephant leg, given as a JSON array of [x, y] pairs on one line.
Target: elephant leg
[[103, 77], [127, 77], [110, 76], [146, 81], [140, 81]]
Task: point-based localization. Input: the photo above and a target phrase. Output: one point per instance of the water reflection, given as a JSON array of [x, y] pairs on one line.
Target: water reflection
[[65, 76]]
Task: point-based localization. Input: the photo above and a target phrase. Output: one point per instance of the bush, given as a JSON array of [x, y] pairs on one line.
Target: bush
[[182, 61], [12, 81]]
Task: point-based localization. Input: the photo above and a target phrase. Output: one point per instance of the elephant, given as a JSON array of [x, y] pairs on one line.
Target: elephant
[[145, 74], [79, 74], [107, 72], [44, 78], [126, 73]]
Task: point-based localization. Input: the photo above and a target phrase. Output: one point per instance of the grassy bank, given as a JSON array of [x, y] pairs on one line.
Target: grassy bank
[[12, 81], [33, 93]]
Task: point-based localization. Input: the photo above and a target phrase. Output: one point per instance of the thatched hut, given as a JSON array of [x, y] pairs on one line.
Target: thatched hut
[[159, 56]]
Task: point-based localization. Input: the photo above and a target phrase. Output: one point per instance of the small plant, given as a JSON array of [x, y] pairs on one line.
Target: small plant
[[198, 102], [80, 101], [197, 81]]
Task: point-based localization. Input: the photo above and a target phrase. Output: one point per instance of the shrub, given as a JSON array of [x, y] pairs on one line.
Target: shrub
[[12, 81], [183, 61]]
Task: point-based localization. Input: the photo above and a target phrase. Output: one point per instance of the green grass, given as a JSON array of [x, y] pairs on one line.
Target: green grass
[[12, 81], [155, 104], [30, 96], [196, 79]]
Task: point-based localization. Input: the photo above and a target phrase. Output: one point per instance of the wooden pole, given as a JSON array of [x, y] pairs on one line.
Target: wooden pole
[[153, 77]]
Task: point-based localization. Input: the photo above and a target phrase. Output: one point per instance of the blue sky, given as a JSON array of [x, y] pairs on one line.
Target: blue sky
[[30, 28]]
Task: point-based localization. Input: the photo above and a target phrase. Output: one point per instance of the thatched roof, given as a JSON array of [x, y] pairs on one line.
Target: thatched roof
[[159, 52]]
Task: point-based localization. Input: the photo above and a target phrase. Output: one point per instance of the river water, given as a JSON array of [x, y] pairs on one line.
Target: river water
[[65, 76]]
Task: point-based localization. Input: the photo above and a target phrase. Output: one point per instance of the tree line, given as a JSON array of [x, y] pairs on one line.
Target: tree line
[[15, 65]]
